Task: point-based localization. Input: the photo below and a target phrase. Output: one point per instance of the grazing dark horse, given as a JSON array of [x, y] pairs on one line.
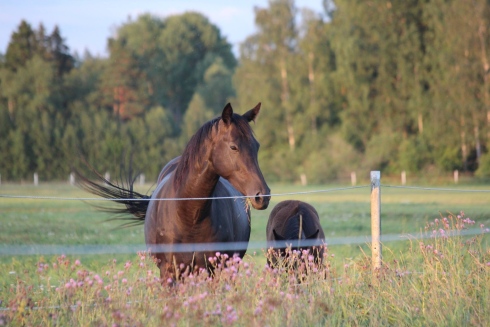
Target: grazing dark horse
[[296, 221], [220, 160]]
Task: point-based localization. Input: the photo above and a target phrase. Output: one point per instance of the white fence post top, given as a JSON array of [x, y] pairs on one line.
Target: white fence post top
[[375, 177]]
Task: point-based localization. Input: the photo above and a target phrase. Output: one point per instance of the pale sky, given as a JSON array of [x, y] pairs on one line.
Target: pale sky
[[87, 24]]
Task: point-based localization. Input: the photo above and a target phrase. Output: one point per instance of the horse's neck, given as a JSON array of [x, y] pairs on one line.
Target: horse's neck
[[196, 184]]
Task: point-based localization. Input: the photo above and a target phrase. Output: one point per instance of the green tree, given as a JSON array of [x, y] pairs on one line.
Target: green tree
[[22, 47], [31, 80], [162, 62], [125, 83], [216, 87], [187, 41]]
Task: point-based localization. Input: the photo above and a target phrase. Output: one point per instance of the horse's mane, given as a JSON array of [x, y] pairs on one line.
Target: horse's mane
[[194, 151]]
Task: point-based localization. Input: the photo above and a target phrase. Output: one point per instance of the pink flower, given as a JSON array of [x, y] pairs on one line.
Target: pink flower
[[77, 262]]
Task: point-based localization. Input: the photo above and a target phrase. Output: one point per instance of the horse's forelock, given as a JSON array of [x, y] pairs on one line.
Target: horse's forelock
[[243, 127]]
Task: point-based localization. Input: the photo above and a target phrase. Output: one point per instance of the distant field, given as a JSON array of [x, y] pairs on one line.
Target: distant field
[[344, 213]]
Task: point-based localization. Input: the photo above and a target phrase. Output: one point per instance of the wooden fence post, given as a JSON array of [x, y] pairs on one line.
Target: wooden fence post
[[72, 179], [142, 179], [304, 182], [36, 179], [456, 176], [404, 177], [353, 178], [376, 219]]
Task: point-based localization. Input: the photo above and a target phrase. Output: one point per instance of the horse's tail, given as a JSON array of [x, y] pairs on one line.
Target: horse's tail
[[136, 203]]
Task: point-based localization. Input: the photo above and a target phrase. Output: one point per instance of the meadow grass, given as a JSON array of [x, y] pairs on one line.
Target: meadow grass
[[426, 279]]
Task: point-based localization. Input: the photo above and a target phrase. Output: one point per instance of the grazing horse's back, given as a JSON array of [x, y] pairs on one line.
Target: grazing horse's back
[[293, 220]]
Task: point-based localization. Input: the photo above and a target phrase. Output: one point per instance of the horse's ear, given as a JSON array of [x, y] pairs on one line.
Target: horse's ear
[[252, 113], [314, 235], [277, 236], [227, 114]]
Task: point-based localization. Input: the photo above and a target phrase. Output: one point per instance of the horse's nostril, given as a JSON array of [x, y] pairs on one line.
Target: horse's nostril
[[258, 198]]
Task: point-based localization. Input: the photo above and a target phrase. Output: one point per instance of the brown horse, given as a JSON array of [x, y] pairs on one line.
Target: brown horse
[[296, 221], [220, 160]]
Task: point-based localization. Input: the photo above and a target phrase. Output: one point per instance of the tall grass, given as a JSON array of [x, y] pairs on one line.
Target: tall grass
[[443, 279], [438, 277]]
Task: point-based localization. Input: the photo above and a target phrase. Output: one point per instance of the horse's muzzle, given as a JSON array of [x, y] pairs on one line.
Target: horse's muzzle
[[261, 202]]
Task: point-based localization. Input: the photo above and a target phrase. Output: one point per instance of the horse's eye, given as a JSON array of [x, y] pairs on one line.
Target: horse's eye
[[233, 147]]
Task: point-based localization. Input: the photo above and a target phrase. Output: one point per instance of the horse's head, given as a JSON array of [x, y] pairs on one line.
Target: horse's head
[[234, 155]]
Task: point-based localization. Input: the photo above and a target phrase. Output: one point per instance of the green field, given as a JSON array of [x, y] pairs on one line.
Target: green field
[[344, 214]]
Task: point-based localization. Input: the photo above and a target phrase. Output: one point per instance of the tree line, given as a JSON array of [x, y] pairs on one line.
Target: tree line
[[364, 85]]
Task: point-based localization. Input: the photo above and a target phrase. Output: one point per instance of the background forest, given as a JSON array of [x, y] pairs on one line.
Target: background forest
[[364, 85]]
